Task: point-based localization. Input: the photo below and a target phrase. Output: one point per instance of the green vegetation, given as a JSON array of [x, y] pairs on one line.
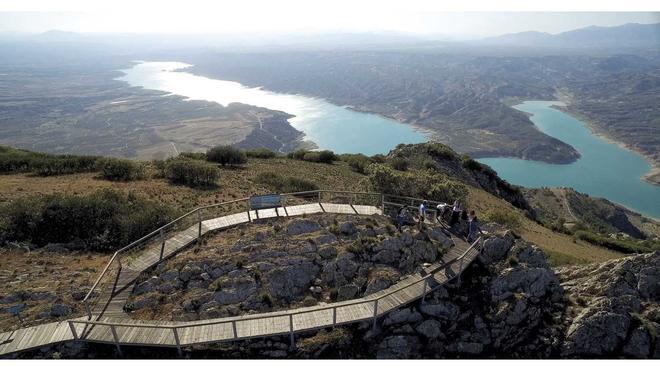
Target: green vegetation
[[103, 220], [226, 155], [624, 245], [193, 155], [399, 163], [357, 162], [42, 164], [120, 169], [192, 173], [260, 153], [506, 218], [326, 157], [421, 184], [284, 184]]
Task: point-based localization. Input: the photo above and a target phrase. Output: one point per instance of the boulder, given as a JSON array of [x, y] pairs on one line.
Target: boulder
[[595, 333], [302, 226], [347, 292], [235, 290], [190, 271], [170, 275], [347, 228], [495, 249], [60, 310], [325, 239], [291, 281], [144, 288], [466, 348], [534, 282], [399, 347], [648, 283], [346, 265], [443, 310], [42, 295], [328, 252], [402, 316], [639, 344], [429, 329]]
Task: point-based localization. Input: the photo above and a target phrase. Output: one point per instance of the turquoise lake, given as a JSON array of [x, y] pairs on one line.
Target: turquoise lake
[[604, 170], [329, 126]]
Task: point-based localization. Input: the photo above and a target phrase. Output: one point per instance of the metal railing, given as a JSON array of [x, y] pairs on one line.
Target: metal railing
[[291, 314], [198, 215]]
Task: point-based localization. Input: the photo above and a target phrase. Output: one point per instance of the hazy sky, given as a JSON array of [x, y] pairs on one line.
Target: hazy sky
[[292, 15]]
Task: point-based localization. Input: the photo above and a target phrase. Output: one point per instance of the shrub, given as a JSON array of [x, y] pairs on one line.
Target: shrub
[[192, 173], [16, 160], [625, 246], [422, 184], [120, 169], [324, 156], [103, 220], [379, 159], [282, 184], [506, 218], [357, 162], [193, 155], [226, 155], [260, 153], [399, 163]]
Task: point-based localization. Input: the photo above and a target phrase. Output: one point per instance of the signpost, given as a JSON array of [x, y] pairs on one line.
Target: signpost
[[266, 202]]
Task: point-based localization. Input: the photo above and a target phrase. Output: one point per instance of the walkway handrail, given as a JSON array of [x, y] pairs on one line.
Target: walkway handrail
[[289, 312], [198, 209]]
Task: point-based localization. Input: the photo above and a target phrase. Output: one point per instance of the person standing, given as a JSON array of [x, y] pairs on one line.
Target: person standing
[[473, 227], [422, 213], [455, 213], [401, 217]]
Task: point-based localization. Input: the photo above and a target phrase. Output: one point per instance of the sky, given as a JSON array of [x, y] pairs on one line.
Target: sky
[[285, 16]]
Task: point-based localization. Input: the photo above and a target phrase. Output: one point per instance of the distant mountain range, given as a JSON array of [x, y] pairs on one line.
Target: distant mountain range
[[627, 35]]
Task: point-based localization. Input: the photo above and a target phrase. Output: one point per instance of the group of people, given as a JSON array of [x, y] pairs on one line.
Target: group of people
[[457, 215]]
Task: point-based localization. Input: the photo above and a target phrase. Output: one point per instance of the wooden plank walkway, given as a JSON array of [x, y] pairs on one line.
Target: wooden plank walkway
[[112, 326]]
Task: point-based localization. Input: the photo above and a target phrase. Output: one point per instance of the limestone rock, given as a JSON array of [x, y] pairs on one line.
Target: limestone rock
[[302, 226]]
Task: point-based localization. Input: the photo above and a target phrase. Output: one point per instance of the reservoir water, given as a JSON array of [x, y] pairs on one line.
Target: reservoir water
[[604, 170], [329, 126]]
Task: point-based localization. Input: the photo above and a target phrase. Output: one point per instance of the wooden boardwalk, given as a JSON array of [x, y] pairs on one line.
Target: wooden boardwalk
[[109, 323]]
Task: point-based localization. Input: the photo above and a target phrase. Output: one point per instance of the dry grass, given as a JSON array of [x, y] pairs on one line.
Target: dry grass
[[45, 271], [561, 248]]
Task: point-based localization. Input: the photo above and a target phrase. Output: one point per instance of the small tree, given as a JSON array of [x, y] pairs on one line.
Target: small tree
[[226, 155], [120, 169], [192, 173]]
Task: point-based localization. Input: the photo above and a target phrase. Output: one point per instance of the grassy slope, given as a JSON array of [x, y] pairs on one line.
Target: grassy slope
[[237, 183]]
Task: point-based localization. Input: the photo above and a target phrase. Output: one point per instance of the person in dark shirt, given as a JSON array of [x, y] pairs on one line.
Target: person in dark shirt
[[473, 227]]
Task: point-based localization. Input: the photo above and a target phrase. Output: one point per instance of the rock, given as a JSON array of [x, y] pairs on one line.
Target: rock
[[406, 238], [325, 239], [328, 252], [60, 310], [144, 288], [530, 255], [236, 290], [189, 271], [11, 298], [377, 283], [595, 333], [144, 302], [443, 310], [429, 328], [535, 282], [170, 275], [649, 283], [438, 235], [347, 292], [639, 344], [466, 348], [291, 282], [347, 228], [316, 290], [495, 249], [79, 294], [388, 251], [205, 276], [166, 288], [302, 226], [42, 295], [16, 310], [403, 315], [398, 347], [346, 265]]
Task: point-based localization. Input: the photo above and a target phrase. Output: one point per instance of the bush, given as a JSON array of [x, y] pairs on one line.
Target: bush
[[625, 246], [399, 163], [357, 162], [509, 219], [104, 220], [226, 155], [120, 169], [193, 155], [422, 184], [260, 153], [17, 160], [281, 184], [192, 173], [325, 156]]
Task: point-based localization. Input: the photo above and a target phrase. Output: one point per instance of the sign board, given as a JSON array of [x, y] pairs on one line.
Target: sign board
[[265, 202]]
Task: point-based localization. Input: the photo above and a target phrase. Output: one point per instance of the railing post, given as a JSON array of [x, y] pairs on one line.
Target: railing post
[[162, 244], [373, 327], [114, 335], [248, 211], [199, 229], [73, 330], [382, 203], [233, 325], [424, 290], [334, 316], [178, 342], [88, 310], [319, 197], [292, 339]]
